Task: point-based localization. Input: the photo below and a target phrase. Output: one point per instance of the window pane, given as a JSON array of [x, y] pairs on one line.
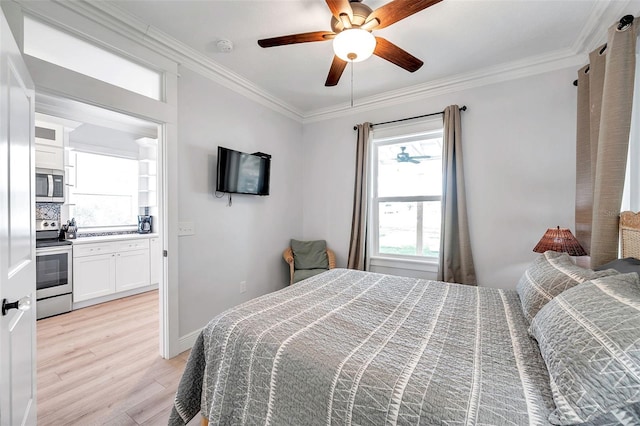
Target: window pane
[[409, 228], [104, 210], [410, 168], [106, 191], [65, 50], [432, 216]]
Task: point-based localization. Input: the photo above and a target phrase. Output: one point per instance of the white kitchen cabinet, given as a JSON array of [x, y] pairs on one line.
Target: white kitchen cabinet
[[49, 146], [107, 268], [49, 134], [49, 157], [155, 261], [93, 276], [132, 269]]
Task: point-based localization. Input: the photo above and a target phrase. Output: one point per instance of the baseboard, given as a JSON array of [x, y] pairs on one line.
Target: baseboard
[[186, 342], [114, 296]]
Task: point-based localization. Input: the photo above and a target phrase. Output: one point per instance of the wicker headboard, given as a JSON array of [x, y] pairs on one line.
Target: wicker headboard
[[630, 234]]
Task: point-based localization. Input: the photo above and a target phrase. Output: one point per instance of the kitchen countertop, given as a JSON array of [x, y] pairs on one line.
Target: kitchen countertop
[[109, 238]]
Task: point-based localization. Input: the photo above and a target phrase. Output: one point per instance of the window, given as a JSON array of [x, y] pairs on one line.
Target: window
[[406, 195], [631, 193], [62, 49], [105, 192]]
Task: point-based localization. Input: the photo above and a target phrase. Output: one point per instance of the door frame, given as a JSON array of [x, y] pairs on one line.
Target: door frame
[[165, 306], [56, 81]]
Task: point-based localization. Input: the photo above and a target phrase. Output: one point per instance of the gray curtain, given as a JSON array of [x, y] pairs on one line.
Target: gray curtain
[[605, 96], [456, 260], [358, 245]]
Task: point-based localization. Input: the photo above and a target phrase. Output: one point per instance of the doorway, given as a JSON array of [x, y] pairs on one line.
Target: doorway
[[112, 165]]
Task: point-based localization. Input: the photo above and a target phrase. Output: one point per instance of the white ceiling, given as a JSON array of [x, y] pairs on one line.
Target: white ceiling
[[455, 38]]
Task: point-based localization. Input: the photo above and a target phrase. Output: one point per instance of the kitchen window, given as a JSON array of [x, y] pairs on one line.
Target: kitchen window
[[105, 191], [406, 196]]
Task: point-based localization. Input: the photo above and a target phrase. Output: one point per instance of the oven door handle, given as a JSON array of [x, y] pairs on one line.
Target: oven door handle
[[50, 188]]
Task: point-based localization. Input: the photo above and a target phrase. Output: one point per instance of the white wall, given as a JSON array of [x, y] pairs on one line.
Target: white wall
[[243, 242], [519, 153]]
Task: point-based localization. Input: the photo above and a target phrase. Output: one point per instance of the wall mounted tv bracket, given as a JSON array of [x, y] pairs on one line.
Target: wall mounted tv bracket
[[262, 154]]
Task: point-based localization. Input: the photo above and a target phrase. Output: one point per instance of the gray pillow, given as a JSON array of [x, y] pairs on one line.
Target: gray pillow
[[589, 337], [628, 264], [548, 276], [310, 254]]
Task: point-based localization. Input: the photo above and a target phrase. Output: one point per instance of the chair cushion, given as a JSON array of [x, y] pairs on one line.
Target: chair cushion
[[548, 276], [309, 254], [589, 337], [303, 274]]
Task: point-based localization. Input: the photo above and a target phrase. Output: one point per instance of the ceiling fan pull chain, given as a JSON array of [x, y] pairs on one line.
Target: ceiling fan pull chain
[[351, 84]]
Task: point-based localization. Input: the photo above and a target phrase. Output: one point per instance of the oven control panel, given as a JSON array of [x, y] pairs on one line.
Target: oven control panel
[[47, 225]]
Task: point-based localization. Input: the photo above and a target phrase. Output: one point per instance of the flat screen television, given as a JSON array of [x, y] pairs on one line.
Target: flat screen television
[[242, 173]]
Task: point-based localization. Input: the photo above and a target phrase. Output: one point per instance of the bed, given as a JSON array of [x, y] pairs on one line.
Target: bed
[[359, 348]]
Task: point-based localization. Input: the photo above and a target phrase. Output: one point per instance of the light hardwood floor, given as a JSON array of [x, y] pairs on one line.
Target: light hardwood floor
[[100, 366]]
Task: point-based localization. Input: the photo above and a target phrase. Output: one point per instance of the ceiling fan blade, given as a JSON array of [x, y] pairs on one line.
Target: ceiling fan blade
[[397, 10], [335, 72], [411, 160], [339, 7], [392, 53], [296, 38]]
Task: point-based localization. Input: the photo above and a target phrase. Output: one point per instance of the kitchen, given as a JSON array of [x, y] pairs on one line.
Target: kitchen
[[97, 235]]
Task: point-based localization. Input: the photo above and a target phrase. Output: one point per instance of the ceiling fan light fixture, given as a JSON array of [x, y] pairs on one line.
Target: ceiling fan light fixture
[[354, 45]]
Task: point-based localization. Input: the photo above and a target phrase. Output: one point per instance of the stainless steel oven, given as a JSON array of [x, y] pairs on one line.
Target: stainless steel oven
[[54, 284]]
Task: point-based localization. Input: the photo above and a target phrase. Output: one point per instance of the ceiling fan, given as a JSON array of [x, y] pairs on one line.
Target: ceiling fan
[[354, 20], [404, 157]]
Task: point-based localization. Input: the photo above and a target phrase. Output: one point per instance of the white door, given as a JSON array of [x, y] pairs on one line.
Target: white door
[[17, 240]]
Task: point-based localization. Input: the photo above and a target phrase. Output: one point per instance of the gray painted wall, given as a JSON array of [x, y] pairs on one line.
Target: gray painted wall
[[519, 151], [243, 242]]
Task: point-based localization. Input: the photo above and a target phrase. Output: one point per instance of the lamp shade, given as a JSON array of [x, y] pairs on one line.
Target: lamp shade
[[561, 240], [354, 45]]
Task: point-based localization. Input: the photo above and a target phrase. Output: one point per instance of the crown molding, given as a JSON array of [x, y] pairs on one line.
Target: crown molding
[[496, 74], [590, 30], [131, 27], [604, 13]]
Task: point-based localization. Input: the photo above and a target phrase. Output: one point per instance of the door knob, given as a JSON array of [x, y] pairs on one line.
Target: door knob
[[23, 304]]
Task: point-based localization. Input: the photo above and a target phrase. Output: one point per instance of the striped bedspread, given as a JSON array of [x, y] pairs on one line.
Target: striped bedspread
[[357, 348]]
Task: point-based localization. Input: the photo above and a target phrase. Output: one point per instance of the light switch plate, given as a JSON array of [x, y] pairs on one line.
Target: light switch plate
[[186, 228]]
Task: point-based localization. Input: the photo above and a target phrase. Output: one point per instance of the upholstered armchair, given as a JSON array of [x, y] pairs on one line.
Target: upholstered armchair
[[308, 258]]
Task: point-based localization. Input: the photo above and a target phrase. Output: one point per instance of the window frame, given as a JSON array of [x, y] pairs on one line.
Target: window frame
[[433, 130]]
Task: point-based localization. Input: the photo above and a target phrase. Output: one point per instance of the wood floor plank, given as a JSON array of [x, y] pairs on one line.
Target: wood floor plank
[[100, 366]]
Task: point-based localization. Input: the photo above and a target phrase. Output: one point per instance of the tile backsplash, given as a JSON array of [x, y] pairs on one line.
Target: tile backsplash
[[49, 211]]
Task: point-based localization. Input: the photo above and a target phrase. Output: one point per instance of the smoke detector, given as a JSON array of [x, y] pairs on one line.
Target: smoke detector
[[224, 45]]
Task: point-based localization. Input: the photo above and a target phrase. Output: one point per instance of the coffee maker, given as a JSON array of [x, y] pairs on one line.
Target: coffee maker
[[145, 225]]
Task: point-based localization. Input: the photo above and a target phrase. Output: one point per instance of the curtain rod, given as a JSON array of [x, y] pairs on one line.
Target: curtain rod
[[625, 22], [463, 108]]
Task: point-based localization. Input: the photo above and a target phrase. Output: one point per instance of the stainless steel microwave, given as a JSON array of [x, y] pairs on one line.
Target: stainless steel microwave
[[49, 186]]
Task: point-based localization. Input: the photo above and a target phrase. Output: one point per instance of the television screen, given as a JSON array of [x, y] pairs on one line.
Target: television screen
[[243, 173]]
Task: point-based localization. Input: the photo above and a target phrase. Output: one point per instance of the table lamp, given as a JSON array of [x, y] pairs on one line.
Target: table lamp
[[561, 240]]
